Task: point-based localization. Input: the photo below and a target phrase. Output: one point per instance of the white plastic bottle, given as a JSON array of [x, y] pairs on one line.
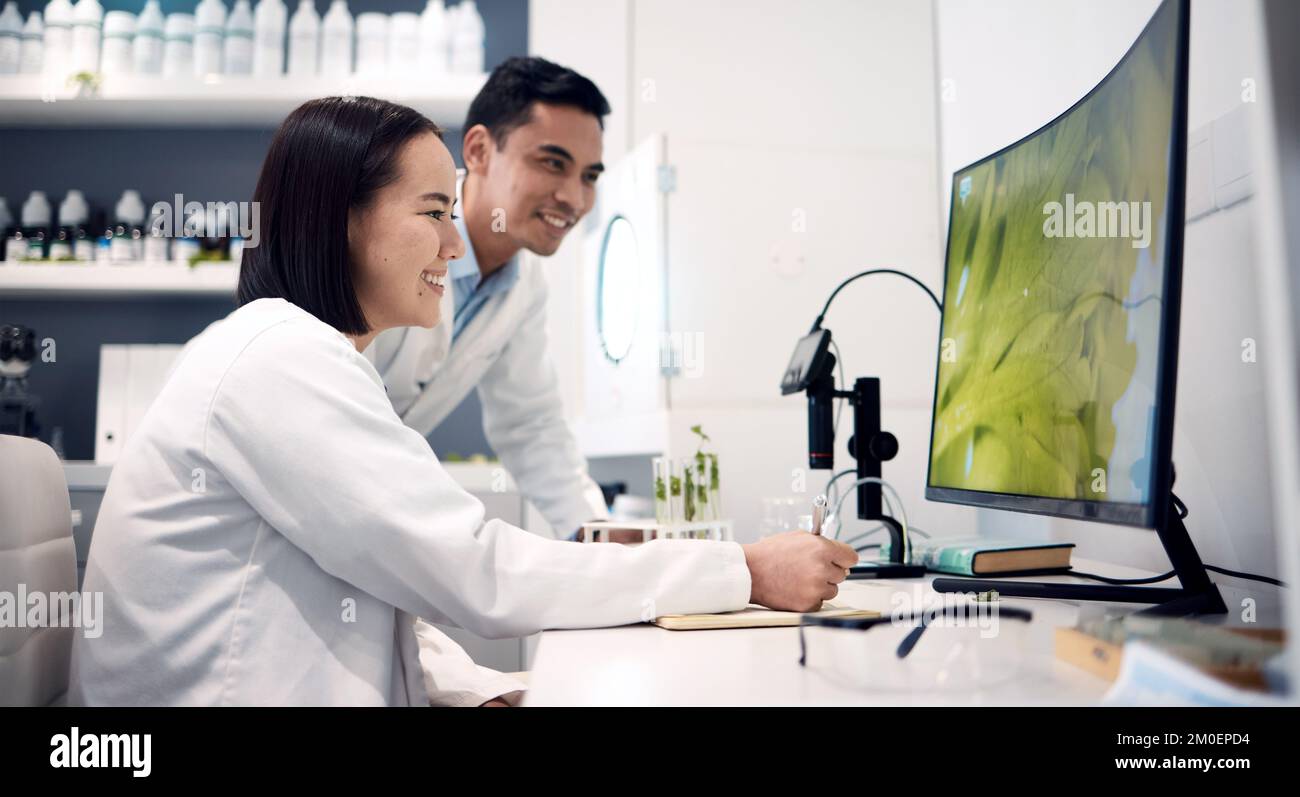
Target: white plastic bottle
[[209, 33], [73, 209], [87, 22], [6, 226], [74, 213], [155, 236], [119, 35], [60, 248], [467, 40], [36, 224], [147, 48], [268, 38], [239, 40], [433, 39], [336, 41], [304, 40], [178, 46], [11, 38], [185, 241], [58, 40], [128, 228], [31, 57], [403, 45], [372, 44]]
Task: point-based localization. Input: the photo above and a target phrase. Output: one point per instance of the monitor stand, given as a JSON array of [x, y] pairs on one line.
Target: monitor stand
[[1198, 595]]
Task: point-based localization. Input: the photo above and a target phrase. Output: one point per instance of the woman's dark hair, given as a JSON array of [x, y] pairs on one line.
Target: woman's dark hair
[[506, 99], [329, 156]]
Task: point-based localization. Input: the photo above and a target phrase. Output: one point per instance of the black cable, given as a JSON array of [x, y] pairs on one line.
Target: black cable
[[1153, 579], [1249, 576], [1179, 507], [1183, 512], [818, 323], [1081, 574], [1109, 580]]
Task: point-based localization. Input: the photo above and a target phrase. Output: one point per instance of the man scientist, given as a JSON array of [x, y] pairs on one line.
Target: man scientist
[[532, 154]]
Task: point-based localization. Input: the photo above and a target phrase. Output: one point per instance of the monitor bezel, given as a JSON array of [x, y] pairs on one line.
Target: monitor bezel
[[1144, 515]]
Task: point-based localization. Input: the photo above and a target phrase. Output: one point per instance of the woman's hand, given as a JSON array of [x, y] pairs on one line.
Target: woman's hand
[[796, 571]]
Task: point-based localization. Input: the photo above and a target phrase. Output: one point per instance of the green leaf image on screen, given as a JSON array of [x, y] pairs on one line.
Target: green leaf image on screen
[[1047, 368]]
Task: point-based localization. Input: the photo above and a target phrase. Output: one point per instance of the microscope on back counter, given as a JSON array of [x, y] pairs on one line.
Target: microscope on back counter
[[17, 406], [812, 371]]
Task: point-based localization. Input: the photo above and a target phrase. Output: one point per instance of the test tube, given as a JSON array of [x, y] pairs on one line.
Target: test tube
[[689, 494], [662, 470], [703, 508], [715, 488], [676, 512]]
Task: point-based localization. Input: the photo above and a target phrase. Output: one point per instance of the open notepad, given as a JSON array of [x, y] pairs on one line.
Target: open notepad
[[753, 616]]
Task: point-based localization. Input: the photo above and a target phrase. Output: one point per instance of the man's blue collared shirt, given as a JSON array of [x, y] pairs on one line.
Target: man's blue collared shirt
[[469, 290]]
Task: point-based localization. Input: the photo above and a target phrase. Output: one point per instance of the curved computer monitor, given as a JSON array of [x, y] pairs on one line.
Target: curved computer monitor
[[1059, 340]]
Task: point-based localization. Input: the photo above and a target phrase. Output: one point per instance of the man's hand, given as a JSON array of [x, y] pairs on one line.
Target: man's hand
[[796, 571]]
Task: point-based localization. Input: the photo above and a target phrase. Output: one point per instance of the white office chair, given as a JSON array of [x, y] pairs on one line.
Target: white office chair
[[36, 555]]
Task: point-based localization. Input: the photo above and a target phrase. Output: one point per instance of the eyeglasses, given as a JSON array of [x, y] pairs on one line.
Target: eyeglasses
[[967, 647]]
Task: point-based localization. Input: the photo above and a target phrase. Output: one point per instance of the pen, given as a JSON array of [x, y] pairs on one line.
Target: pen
[[819, 514]]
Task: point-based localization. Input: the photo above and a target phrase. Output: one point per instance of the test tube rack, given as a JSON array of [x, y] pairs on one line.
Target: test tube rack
[[653, 530]]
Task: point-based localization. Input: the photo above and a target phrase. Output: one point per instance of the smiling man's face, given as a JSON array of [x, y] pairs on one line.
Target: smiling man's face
[[542, 180]]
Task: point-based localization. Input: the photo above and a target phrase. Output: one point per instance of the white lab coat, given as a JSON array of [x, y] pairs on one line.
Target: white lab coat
[[272, 529], [502, 352]]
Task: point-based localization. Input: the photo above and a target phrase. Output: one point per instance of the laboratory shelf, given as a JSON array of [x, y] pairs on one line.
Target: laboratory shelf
[[116, 280], [33, 101]]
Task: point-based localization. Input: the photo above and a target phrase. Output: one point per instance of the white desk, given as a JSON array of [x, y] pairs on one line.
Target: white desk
[[646, 665]]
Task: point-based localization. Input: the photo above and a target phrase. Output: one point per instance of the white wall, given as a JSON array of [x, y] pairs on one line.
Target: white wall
[[591, 37], [805, 146], [1221, 443], [1007, 67], [1276, 153]]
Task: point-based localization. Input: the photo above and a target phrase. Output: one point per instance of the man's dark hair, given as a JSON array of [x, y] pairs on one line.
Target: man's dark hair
[[329, 156], [506, 100]]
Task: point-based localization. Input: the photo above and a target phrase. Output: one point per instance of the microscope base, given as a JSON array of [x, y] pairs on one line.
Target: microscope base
[[884, 569]]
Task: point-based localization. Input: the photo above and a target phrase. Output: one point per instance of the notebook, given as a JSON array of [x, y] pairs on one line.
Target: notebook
[[754, 616]]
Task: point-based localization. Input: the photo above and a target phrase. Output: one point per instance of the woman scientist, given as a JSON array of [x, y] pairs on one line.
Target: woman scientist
[[272, 529]]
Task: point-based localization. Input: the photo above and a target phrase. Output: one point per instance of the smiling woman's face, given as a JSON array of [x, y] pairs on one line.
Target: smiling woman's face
[[400, 243]]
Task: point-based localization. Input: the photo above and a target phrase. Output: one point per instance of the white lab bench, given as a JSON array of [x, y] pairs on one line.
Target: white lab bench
[[486, 481], [644, 665]]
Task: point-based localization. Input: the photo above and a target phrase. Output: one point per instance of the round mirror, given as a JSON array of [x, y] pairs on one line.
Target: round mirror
[[617, 289]]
